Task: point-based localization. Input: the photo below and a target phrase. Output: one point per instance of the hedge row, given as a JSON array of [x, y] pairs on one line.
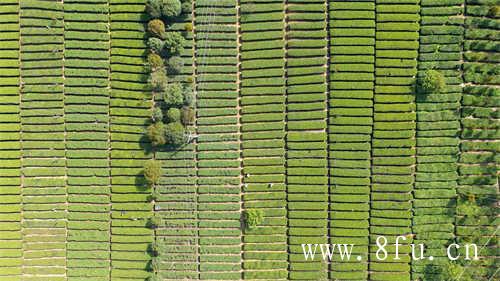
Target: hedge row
[[478, 167], [10, 191], [436, 176], [262, 102], [44, 212], [352, 75], [307, 173], [394, 131], [129, 111], [86, 116]]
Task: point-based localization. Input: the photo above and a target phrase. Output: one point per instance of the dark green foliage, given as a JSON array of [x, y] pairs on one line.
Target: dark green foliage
[[253, 217], [156, 27], [174, 43], [156, 133], [174, 115], [153, 8], [187, 6], [175, 134], [155, 45], [171, 8], [158, 80], [155, 62], [175, 64], [173, 96], [157, 114], [188, 115], [189, 98], [432, 82], [152, 171]]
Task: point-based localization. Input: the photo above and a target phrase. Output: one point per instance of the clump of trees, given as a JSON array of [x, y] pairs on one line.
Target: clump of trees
[[171, 116]]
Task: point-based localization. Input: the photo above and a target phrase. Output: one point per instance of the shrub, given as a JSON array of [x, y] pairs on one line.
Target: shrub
[[155, 62], [175, 134], [155, 45], [432, 82], [154, 222], [173, 96], [153, 8], [156, 133], [188, 115], [187, 7], [175, 64], [174, 114], [158, 80], [157, 114], [188, 27], [174, 42], [156, 27], [253, 217], [152, 171], [190, 79], [171, 8], [189, 97]]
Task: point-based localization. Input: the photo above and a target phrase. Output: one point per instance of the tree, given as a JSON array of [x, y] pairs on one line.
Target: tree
[[175, 134], [155, 45], [173, 114], [253, 217], [188, 115], [153, 8], [155, 62], [152, 171], [173, 95], [189, 98], [175, 64], [171, 8], [154, 222], [156, 27], [157, 114], [158, 80], [156, 133], [432, 82], [174, 42], [187, 6]]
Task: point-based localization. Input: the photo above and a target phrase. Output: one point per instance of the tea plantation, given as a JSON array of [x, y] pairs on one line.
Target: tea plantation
[[209, 139]]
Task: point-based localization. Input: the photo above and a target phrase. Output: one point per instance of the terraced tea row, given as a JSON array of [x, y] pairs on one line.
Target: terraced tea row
[[441, 36]]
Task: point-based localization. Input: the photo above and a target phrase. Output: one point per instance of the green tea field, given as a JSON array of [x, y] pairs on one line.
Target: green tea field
[[212, 140]]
